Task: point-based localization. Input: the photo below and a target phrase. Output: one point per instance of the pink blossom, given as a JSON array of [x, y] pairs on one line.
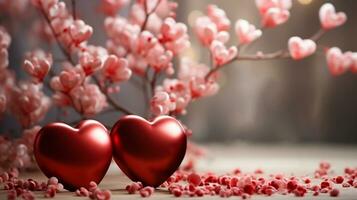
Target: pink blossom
[[137, 64], [166, 9], [121, 31], [91, 58], [194, 75], [144, 42], [206, 30], [179, 93], [68, 79], [337, 61], [221, 54], [28, 103], [174, 36], [111, 7], [116, 69], [58, 11], [246, 32], [37, 64], [274, 17], [329, 18], [88, 99], [159, 58], [218, 16], [264, 5], [80, 31], [161, 103], [300, 48]]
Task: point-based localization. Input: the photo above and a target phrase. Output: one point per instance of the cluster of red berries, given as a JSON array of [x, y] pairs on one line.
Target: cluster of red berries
[[20, 188], [138, 187], [94, 192], [185, 183], [191, 184]]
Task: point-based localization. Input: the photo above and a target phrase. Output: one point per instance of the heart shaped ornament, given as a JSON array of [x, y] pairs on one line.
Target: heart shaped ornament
[[149, 152], [76, 156]]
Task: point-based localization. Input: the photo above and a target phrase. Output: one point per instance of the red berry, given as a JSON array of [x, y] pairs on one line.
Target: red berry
[[325, 184], [339, 179], [194, 179], [334, 193]]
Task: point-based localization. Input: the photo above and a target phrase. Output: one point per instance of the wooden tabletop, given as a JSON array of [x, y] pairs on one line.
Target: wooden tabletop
[[298, 160]]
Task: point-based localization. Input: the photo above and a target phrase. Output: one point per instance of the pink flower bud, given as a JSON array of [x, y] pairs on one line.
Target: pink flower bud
[[300, 48], [246, 32], [329, 18]]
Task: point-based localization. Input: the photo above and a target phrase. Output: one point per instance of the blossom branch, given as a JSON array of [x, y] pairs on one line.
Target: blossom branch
[[63, 50], [279, 54]]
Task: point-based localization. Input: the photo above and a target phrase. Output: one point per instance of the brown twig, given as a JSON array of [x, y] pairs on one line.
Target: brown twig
[[74, 12], [63, 50], [147, 13], [111, 101]]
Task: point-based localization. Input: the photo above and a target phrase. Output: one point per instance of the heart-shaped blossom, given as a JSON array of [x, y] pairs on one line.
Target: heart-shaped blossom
[[219, 17], [38, 64], [246, 32], [179, 93], [88, 99], [274, 17], [68, 79], [221, 54], [161, 103], [91, 58], [337, 61], [174, 36], [205, 29], [160, 58], [116, 69], [329, 19], [80, 31], [300, 48]]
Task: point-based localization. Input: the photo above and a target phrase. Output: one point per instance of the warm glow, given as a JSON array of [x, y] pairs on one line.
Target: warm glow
[[305, 2], [193, 16]]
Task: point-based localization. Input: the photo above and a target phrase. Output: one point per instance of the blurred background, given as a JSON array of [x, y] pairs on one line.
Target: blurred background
[[259, 101]]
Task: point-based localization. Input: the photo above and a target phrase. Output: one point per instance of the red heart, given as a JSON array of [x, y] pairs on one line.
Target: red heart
[[149, 152], [75, 156]]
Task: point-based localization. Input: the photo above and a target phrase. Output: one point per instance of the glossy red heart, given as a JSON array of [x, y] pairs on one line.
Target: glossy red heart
[[149, 152], [75, 156]]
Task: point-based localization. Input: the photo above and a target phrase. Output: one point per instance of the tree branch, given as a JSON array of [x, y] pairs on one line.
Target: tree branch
[[280, 54], [74, 12], [110, 99]]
